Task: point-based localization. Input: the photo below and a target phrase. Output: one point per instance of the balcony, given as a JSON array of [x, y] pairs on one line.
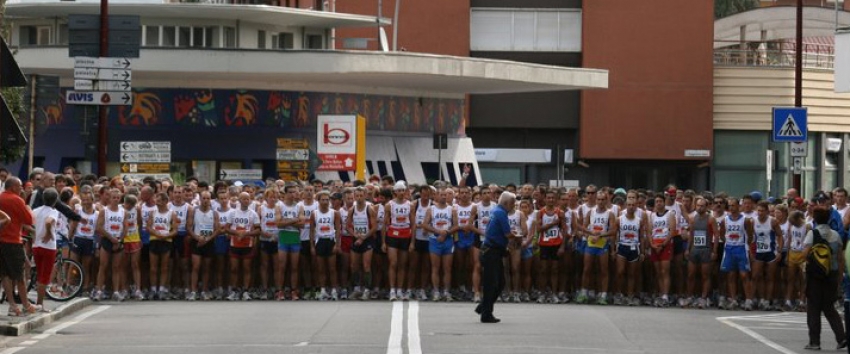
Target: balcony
[[818, 53]]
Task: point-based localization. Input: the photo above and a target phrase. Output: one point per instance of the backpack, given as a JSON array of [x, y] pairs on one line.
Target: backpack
[[819, 261]]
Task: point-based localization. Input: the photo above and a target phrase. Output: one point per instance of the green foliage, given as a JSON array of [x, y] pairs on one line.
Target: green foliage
[[14, 97], [724, 8]]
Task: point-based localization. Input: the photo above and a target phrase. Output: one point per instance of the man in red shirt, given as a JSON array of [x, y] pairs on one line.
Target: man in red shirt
[[11, 244]]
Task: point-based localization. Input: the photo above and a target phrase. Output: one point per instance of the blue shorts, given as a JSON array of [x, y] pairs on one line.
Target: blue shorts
[[527, 253], [735, 260], [465, 240], [440, 248], [845, 283], [146, 237], [62, 241], [222, 245], [83, 246], [596, 251], [269, 247], [629, 253], [293, 248], [580, 246]]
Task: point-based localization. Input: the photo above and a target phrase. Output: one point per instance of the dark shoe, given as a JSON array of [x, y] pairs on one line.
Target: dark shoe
[[841, 345], [490, 319], [478, 309], [811, 346]]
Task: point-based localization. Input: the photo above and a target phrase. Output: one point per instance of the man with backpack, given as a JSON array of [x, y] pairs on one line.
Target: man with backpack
[[823, 252]]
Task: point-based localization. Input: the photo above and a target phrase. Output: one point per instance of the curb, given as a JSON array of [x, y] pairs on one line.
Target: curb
[[26, 325]]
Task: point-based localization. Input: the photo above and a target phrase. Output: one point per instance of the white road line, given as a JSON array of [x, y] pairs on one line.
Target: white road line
[[302, 344], [414, 345], [76, 320], [28, 342], [727, 321], [396, 328], [12, 350]]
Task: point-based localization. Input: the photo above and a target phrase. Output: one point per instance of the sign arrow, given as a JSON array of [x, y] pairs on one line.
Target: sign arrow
[[125, 146], [126, 98], [125, 63], [126, 75], [126, 84], [126, 157], [223, 174]]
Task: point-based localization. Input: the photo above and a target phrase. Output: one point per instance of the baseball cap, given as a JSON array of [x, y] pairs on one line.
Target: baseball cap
[[238, 183], [756, 195], [399, 186], [671, 192], [620, 191], [820, 196]]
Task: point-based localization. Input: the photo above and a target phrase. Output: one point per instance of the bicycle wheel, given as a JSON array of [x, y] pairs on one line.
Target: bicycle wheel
[[67, 280]]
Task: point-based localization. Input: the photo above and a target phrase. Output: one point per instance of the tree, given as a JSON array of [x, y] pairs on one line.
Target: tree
[[724, 8]]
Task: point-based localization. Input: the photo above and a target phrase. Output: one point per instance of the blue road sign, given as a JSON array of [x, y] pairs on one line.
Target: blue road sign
[[790, 124]]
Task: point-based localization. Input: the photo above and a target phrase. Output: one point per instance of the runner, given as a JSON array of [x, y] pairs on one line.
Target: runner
[[222, 244], [398, 229], [600, 225], [440, 222], [420, 264], [552, 225], [289, 244], [466, 254], [202, 223], [701, 254], [347, 239], [111, 227], [244, 228], [148, 207], [630, 233], [162, 224], [307, 262], [82, 236], [324, 241], [379, 256], [133, 245], [768, 235], [663, 228], [362, 226], [516, 247], [181, 252], [734, 231], [270, 215], [795, 289]]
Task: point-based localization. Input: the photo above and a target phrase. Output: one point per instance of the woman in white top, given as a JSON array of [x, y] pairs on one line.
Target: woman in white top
[[44, 243]]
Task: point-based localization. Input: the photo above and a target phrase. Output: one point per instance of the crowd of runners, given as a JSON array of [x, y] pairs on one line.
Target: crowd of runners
[[384, 239]]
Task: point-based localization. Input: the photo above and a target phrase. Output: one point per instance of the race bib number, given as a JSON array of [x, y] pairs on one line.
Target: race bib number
[[762, 243], [700, 239]]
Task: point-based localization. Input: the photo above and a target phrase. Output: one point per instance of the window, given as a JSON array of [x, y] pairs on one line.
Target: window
[[151, 36], [63, 34], [43, 35], [525, 30], [315, 41], [261, 39], [283, 40], [184, 36], [169, 36], [197, 37], [229, 37]]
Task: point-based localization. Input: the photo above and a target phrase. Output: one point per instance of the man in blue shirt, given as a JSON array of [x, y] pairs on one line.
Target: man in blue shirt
[[493, 250]]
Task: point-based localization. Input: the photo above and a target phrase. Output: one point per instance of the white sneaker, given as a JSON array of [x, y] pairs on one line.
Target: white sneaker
[[406, 295], [139, 295], [233, 296], [422, 295], [447, 296], [476, 299], [366, 295], [246, 296], [192, 296], [435, 295], [393, 296], [323, 295], [334, 295], [264, 295]]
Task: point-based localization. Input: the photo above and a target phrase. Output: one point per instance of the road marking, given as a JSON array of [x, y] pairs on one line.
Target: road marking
[[12, 350], [28, 342], [396, 329], [302, 344], [414, 345], [76, 320], [727, 321]]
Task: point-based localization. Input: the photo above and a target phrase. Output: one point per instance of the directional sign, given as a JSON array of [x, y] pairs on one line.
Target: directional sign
[[91, 85], [293, 154], [294, 175], [102, 63], [141, 176], [146, 157], [797, 166], [289, 143], [145, 167], [102, 74], [790, 124], [145, 146], [293, 165], [232, 175], [799, 149], [98, 98]]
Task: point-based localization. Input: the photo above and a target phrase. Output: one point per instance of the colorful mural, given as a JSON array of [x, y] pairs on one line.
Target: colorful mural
[[233, 109]]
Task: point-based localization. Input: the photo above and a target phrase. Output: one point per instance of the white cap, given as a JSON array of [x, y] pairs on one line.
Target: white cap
[[238, 183], [399, 186]]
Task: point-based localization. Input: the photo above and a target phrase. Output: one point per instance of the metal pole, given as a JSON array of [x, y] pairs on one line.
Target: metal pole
[[31, 145], [395, 25], [380, 14], [440, 158], [101, 133], [798, 79]]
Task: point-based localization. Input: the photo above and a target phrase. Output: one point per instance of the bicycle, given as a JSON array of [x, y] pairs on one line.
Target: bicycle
[[66, 280]]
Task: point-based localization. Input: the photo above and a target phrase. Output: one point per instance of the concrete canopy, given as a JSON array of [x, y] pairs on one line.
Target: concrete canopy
[[391, 73]]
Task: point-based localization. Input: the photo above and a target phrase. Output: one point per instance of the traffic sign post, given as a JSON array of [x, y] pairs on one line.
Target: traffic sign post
[[790, 124], [799, 149], [233, 175], [145, 158], [293, 159]]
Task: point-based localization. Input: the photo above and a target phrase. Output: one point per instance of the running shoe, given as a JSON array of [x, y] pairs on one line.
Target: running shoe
[[366, 295], [192, 296], [323, 295], [435, 295], [246, 296], [232, 296], [334, 295], [581, 299], [393, 296], [343, 295]]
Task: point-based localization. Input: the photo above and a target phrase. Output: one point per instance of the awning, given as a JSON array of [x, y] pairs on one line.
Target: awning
[[10, 76]]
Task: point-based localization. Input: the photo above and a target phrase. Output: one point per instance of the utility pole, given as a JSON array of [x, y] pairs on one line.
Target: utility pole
[[101, 125], [798, 78]]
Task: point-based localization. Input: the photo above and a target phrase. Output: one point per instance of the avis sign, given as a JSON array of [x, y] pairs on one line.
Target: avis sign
[[337, 142]]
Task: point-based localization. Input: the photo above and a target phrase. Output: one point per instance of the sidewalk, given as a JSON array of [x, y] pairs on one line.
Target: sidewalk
[[17, 326]]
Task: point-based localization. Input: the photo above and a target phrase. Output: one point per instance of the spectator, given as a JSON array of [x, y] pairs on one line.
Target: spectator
[[821, 292], [11, 245]]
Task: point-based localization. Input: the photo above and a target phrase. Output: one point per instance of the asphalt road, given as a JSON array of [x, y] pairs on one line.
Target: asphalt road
[[396, 328]]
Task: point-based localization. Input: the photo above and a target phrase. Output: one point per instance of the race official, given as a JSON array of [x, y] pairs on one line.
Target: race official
[[493, 250]]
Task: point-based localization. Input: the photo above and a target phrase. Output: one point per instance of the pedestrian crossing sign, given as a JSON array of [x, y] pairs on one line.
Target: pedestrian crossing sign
[[790, 124]]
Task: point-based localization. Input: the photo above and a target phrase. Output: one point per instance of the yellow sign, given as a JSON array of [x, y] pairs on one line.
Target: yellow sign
[[294, 175], [293, 165], [145, 168], [288, 143]]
